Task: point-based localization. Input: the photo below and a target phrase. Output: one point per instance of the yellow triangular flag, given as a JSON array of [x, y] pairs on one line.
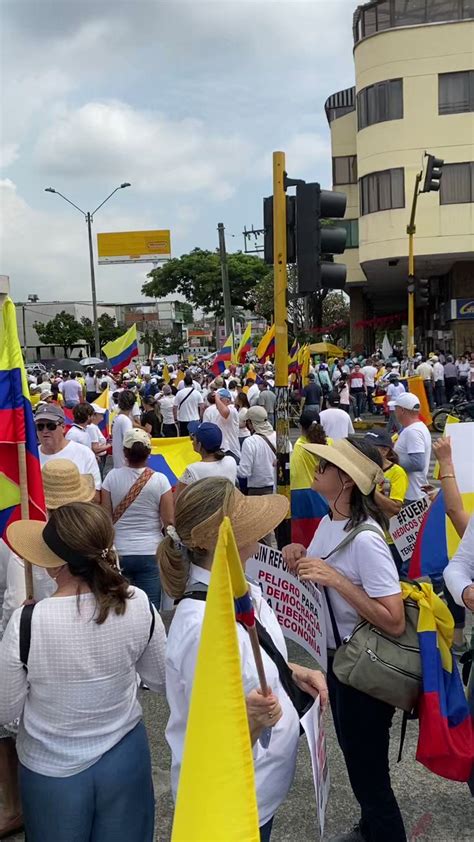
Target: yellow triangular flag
[[103, 399], [216, 798], [166, 374]]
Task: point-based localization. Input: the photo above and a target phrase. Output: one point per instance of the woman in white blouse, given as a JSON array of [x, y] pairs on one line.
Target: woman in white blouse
[[85, 770], [185, 559]]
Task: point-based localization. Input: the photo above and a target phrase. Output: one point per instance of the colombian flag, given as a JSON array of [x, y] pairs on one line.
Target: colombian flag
[[307, 506], [245, 345], [18, 444], [171, 457], [224, 356], [121, 351], [266, 346], [293, 364], [446, 738], [217, 746]]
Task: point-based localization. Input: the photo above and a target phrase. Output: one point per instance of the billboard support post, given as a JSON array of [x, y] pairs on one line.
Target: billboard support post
[[93, 289]]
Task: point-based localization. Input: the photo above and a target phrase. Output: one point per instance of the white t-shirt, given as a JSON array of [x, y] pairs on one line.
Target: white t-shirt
[[366, 562], [275, 765], [72, 391], [138, 531], [226, 467], [91, 383], [15, 591], [166, 404], [79, 434], [438, 372], [196, 385], [95, 434], [188, 407], [393, 391], [82, 457], [336, 423], [258, 462], [95, 666], [415, 439], [369, 372], [121, 425], [229, 427], [252, 394]]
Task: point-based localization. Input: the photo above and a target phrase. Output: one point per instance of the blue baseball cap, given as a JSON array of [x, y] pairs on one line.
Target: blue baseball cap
[[209, 435], [224, 393]]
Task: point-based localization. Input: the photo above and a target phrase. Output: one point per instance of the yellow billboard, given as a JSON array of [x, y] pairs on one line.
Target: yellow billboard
[[134, 247]]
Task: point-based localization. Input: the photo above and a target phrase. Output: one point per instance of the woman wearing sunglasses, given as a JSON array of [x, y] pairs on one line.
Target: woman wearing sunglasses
[[360, 580]]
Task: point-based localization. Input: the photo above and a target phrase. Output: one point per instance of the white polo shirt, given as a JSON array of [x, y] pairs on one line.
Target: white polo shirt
[[79, 434], [275, 765]]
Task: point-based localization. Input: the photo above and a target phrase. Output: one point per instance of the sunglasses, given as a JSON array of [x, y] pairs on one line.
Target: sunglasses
[[47, 425], [323, 464]]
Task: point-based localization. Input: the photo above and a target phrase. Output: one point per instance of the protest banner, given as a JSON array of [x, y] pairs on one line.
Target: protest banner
[[313, 725], [405, 526], [298, 605]]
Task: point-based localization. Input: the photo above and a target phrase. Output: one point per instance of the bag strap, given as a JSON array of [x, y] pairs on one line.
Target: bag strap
[[25, 633], [186, 397], [152, 624], [272, 448], [132, 494], [363, 527]]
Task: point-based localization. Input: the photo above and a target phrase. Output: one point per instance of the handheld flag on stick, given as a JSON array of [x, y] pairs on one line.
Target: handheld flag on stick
[[121, 351], [266, 346], [293, 364], [103, 401], [217, 746], [224, 356], [166, 374], [245, 345], [21, 486]]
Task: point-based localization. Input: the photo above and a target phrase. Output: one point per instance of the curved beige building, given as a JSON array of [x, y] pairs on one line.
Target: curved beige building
[[414, 92]]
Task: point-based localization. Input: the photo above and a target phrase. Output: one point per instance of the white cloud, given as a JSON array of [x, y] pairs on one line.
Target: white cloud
[[8, 154], [113, 140]]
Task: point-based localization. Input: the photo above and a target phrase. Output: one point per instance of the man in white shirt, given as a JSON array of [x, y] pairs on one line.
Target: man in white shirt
[[335, 421], [227, 419], [166, 404], [71, 391], [370, 372], [258, 458], [253, 392], [394, 390], [413, 446], [438, 377], [82, 414], [49, 423], [425, 371], [187, 405]]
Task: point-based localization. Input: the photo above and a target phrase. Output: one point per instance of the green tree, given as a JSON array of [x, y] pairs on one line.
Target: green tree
[[63, 330], [108, 330], [186, 310], [163, 344], [197, 276]]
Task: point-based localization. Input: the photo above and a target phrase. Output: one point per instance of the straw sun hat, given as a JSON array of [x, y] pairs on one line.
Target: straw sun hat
[[63, 484], [365, 473], [251, 519]]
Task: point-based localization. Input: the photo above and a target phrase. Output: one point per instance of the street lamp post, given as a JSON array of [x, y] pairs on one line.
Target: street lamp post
[[89, 218]]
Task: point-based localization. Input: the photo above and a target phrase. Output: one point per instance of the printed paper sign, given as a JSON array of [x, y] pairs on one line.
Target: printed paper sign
[[313, 725], [298, 605], [404, 526]]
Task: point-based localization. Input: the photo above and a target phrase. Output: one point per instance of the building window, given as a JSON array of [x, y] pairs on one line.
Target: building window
[[382, 190], [344, 169], [380, 102], [457, 184], [456, 92], [386, 14], [352, 229]]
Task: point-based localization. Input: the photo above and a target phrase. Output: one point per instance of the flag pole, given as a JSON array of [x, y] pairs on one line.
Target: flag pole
[[252, 630], [25, 512]]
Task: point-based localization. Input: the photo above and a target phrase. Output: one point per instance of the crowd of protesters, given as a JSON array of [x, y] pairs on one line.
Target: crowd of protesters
[[119, 542]]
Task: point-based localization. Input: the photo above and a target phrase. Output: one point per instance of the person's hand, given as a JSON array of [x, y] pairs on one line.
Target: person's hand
[[312, 682], [262, 711], [468, 597], [442, 451], [317, 570], [292, 553]]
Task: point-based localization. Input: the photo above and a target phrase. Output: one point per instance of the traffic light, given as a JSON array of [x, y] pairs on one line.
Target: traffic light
[[316, 242], [422, 292], [434, 171], [268, 230]]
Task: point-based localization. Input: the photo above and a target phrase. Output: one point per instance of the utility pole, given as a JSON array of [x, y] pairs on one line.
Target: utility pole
[[93, 289], [411, 231], [225, 280], [23, 321], [281, 335]]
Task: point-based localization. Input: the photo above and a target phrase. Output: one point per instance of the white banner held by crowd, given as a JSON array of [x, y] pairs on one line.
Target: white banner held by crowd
[[404, 526], [298, 605], [313, 725]]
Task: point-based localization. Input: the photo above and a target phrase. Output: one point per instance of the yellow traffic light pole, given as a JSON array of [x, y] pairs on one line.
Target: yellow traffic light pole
[[281, 333], [411, 231]]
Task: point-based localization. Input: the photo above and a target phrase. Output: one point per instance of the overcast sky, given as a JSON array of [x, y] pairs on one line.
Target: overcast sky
[[186, 100]]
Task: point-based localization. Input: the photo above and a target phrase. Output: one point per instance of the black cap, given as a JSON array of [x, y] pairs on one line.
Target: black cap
[[379, 438]]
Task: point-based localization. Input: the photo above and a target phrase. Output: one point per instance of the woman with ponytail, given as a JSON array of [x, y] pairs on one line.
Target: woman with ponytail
[[69, 670]]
